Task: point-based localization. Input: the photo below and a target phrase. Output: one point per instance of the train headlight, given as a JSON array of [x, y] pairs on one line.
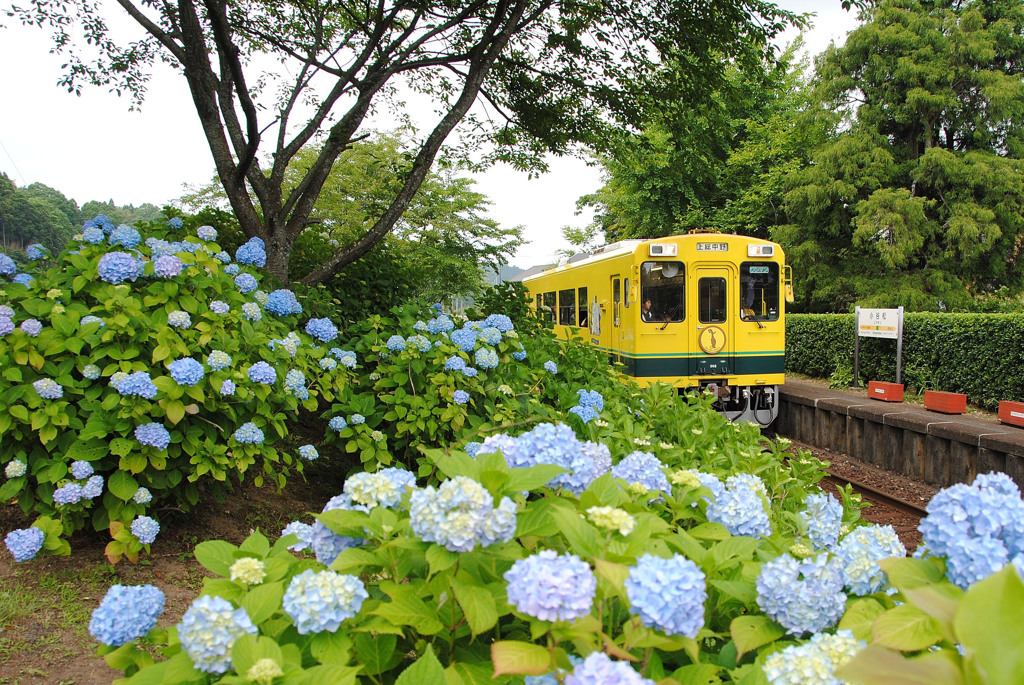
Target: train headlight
[[760, 250]]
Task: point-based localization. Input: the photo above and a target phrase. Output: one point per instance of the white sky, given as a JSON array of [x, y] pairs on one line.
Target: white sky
[[93, 148]]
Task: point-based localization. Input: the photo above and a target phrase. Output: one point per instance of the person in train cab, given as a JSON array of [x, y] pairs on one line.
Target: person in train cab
[[645, 310]]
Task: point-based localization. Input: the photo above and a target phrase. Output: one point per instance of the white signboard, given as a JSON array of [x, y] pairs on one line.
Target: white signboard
[[879, 323]]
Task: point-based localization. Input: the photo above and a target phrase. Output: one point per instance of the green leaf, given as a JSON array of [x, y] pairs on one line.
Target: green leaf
[[375, 652], [733, 549], [532, 478], [988, 623], [19, 412], [424, 671], [217, 556], [519, 658], [860, 616], [440, 559], [905, 628], [405, 609], [536, 519], [331, 648], [710, 531], [752, 632], [907, 572], [120, 447], [877, 666], [257, 544], [175, 410], [330, 674], [262, 601], [248, 649], [469, 673], [477, 604], [582, 537], [122, 485]]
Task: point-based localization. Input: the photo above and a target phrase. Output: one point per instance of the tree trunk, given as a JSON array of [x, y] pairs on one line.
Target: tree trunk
[[279, 252]]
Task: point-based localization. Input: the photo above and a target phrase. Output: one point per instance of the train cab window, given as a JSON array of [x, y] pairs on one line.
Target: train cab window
[[582, 305], [551, 304], [759, 291], [567, 307], [664, 284], [711, 306]]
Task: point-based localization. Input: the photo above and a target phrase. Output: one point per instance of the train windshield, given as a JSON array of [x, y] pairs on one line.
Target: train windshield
[[663, 285], [759, 291]]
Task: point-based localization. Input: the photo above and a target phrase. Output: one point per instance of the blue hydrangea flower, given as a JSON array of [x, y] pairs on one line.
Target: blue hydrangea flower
[[337, 424], [8, 267], [15, 469], [550, 366], [38, 251], [222, 257], [861, 550], [262, 372], [261, 297], [176, 222], [551, 586], [469, 372], [138, 384], [814, 662], [824, 517], [48, 389], [357, 419], [71, 493], [328, 364], [437, 307], [668, 594], [89, 318], [464, 339], [643, 468], [460, 396], [322, 329], [420, 325], [100, 221], [126, 614], [601, 669], [804, 596], [490, 336], [590, 398], [498, 321], [219, 307], [308, 452], [179, 319], [499, 525], [167, 266], [440, 324], [252, 311], [472, 448], [32, 327], [227, 388], [295, 383], [318, 601], [233, 270], [327, 544], [454, 363], [218, 359], [420, 342], [978, 528], [207, 233], [118, 267], [25, 543], [154, 435], [6, 325], [742, 507], [555, 444], [81, 469], [345, 357], [145, 529], [252, 252], [282, 303], [186, 371], [126, 236], [142, 496], [208, 631], [248, 433], [382, 488], [486, 358], [246, 283], [23, 279], [396, 343], [586, 414], [93, 487], [303, 531], [93, 235]]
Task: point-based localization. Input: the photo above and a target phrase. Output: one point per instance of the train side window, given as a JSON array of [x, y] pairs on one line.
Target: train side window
[[581, 305], [759, 291], [625, 292], [616, 298], [711, 305], [664, 284], [551, 304], [567, 307]]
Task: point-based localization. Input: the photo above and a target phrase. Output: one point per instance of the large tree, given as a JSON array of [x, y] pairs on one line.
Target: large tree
[[916, 196], [548, 73]]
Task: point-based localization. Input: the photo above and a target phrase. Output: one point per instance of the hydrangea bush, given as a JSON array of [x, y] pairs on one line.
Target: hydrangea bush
[[133, 354]]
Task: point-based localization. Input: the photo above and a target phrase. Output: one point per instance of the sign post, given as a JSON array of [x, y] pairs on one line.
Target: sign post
[[878, 323]]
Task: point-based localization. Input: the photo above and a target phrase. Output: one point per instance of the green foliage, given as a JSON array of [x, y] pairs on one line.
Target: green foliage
[[915, 195], [92, 422], [975, 354]]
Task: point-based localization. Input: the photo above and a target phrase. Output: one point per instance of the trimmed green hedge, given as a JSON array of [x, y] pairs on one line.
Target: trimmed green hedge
[[981, 355]]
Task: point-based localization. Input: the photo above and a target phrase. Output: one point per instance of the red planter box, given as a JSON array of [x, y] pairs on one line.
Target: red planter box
[[886, 392], [1012, 413], [945, 402]]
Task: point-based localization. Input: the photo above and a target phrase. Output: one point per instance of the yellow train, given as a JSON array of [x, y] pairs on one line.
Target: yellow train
[[702, 311]]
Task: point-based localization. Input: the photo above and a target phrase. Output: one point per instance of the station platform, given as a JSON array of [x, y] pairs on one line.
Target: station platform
[[930, 447]]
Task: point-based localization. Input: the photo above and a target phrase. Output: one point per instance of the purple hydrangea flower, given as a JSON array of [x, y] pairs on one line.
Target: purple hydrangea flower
[[125, 236], [248, 433], [32, 327], [118, 267], [8, 267], [81, 469], [227, 388], [6, 325], [167, 266], [804, 596], [48, 389], [460, 396], [550, 366], [668, 594], [179, 319], [601, 669], [551, 586], [282, 303], [219, 307], [36, 251], [207, 233], [71, 493], [643, 468], [93, 487], [138, 384]]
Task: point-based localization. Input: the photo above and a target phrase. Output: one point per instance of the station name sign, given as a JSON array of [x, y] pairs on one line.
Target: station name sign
[[878, 323]]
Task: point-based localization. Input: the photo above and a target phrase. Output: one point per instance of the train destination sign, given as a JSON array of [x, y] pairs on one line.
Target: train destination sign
[[712, 247], [878, 323]]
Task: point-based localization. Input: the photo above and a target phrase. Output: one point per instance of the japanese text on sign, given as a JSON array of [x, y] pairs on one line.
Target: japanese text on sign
[[879, 323]]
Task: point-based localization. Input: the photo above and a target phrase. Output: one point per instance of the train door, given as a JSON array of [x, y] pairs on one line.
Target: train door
[[617, 313], [714, 339]]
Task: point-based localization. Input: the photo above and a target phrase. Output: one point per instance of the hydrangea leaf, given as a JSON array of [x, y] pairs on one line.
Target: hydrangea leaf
[[122, 485], [331, 648], [469, 673], [262, 601], [477, 604], [751, 632], [710, 531], [860, 616], [248, 649], [376, 652], [907, 573], [519, 658], [426, 670], [583, 537], [532, 478], [988, 624], [440, 559], [878, 666], [906, 628], [406, 609], [216, 555], [331, 674]]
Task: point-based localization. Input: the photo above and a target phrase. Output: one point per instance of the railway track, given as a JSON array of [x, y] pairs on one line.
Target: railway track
[[877, 496]]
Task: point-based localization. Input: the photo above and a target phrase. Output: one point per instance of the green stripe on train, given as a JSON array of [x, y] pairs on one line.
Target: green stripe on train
[[646, 367]]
